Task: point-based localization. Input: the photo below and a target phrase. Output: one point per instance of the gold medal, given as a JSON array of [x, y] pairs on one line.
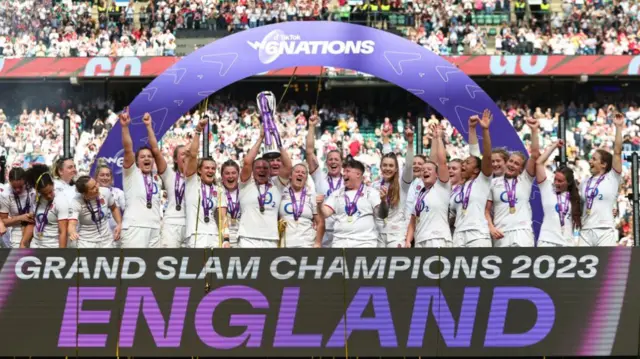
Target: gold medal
[[40, 235], [464, 212], [512, 210], [234, 221], [588, 212], [350, 219]]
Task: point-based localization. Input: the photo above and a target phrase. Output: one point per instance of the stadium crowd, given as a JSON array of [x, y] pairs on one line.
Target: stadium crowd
[[34, 136], [64, 28]]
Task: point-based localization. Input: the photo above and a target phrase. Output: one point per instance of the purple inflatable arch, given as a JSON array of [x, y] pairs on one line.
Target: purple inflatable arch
[[389, 57]]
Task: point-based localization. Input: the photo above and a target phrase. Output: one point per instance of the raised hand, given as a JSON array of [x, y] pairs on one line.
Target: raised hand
[[619, 120], [486, 119], [408, 133], [146, 119], [473, 121], [202, 124], [383, 192], [313, 120], [533, 123], [319, 199], [125, 120]]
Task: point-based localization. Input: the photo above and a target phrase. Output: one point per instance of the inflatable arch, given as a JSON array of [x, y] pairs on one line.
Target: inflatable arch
[[389, 57]]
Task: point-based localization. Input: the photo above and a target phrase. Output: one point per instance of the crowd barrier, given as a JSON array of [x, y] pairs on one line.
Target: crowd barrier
[[320, 302]]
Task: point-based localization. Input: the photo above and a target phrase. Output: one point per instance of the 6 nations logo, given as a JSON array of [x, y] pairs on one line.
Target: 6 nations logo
[[277, 43]]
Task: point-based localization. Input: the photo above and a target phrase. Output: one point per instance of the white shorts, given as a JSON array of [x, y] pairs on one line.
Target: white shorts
[[598, 237], [542, 243], [516, 238], [5, 240], [391, 240], [16, 238], [300, 242], [248, 242], [45, 243], [140, 237], [327, 240], [354, 243], [204, 240], [471, 239], [104, 243], [435, 243], [233, 239], [173, 236]]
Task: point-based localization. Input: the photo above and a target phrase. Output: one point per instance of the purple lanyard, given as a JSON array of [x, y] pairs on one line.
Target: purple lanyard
[[234, 206], [563, 206], [178, 189], [331, 187], [420, 206], [388, 194], [511, 191], [27, 205], [590, 192], [352, 207], [262, 196], [96, 216], [148, 184], [297, 209], [456, 190], [466, 195], [205, 199], [45, 218]]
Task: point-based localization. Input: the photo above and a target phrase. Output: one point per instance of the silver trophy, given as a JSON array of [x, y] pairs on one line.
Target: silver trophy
[[267, 105]]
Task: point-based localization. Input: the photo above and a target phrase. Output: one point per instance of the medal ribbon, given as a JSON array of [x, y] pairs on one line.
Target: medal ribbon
[[331, 187], [591, 191], [388, 194], [262, 196], [297, 209], [419, 202], [563, 206], [148, 184], [27, 205], [466, 195], [95, 215], [234, 206], [456, 190], [179, 189], [206, 197], [45, 218], [352, 207], [511, 191]]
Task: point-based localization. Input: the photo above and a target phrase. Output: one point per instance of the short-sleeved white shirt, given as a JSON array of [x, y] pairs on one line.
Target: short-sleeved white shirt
[[473, 219], [432, 222], [195, 210], [137, 214], [551, 230], [299, 233], [321, 181], [396, 221], [253, 223], [171, 214], [362, 227], [412, 195], [91, 230], [605, 200], [503, 219], [56, 210]]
